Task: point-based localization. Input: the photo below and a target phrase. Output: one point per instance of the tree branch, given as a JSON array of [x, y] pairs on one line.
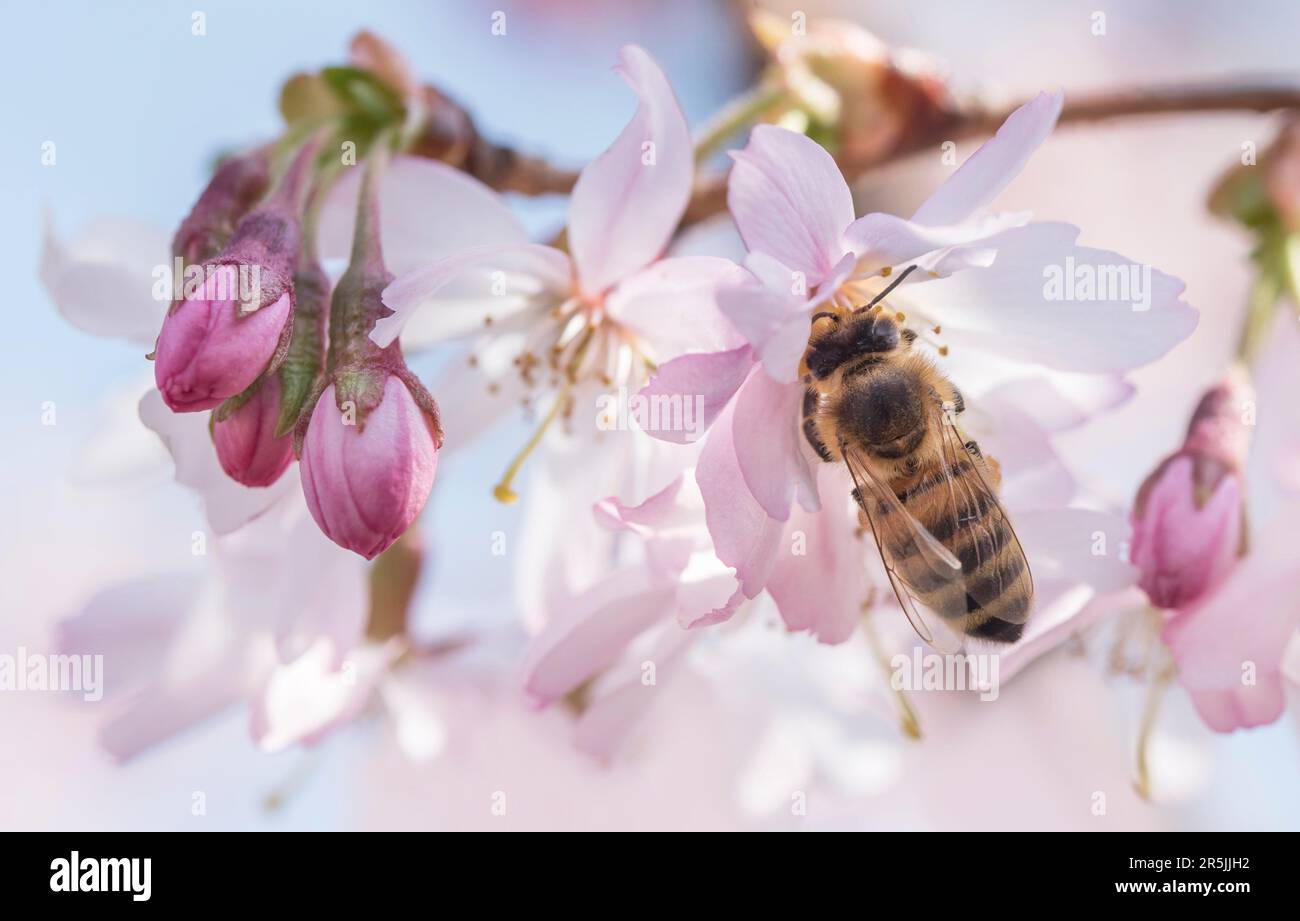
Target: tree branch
[[710, 196]]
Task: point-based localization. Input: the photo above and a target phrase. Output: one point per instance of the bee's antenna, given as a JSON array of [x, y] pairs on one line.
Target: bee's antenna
[[892, 285]]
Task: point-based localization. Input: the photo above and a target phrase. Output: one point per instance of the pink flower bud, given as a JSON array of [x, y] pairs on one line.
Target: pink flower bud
[[208, 352], [1188, 528], [367, 475], [234, 188], [220, 338], [247, 446]]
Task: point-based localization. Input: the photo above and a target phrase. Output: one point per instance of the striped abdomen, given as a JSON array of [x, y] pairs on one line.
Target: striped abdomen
[[992, 598]]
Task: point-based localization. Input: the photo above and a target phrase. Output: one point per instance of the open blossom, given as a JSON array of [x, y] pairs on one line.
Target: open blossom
[[218, 340], [982, 284], [595, 319]]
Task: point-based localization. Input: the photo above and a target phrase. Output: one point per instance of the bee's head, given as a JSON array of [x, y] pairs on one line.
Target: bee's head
[[836, 340]]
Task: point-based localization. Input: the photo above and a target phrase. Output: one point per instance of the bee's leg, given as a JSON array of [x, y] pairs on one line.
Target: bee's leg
[[810, 400], [958, 401]]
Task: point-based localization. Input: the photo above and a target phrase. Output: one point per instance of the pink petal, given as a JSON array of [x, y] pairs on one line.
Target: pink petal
[[591, 636], [790, 201], [1009, 309], [462, 293], [131, 624], [104, 282], [655, 513], [305, 700], [621, 701], [473, 398], [709, 602], [625, 206], [744, 536], [427, 210], [1249, 620], [1063, 544], [208, 668], [819, 581], [671, 305], [1066, 401], [772, 319], [998, 161], [1184, 549], [280, 573], [708, 380], [228, 505], [666, 525], [769, 444], [885, 240]]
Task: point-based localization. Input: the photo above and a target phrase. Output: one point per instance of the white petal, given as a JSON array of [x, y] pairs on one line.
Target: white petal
[[991, 168], [463, 293], [426, 209], [104, 281], [627, 202], [1021, 306], [228, 504]]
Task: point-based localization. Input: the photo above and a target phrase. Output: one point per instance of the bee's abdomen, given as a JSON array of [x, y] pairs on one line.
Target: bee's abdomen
[[992, 598]]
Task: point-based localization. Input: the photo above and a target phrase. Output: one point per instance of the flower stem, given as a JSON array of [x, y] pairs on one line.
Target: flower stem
[[737, 114], [907, 718], [1155, 694]]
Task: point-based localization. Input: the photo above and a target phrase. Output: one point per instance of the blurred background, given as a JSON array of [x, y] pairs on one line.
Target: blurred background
[[139, 107]]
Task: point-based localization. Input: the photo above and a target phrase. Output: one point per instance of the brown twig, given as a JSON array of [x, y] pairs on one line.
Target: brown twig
[[509, 171], [710, 196]]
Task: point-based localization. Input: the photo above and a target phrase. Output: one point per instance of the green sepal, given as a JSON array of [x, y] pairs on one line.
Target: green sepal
[[309, 98], [361, 91]]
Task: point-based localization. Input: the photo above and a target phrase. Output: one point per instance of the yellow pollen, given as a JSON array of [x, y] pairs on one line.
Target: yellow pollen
[[943, 350]]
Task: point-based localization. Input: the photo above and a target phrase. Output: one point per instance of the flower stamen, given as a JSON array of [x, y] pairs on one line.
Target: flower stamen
[[503, 491]]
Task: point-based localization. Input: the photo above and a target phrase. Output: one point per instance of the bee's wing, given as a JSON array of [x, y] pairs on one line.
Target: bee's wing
[[900, 536], [990, 532]]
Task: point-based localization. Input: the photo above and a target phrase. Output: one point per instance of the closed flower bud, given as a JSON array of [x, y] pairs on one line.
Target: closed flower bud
[[208, 352], [367, 478], [1188, 519], [369, 447], [246, 441], [234, 326]]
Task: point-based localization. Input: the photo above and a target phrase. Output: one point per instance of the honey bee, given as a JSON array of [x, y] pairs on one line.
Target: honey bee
[[927, 494]]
